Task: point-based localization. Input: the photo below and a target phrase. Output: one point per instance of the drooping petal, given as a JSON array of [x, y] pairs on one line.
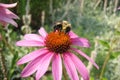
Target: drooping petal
[[80, 66], [72, 34], [87, 57], [76, 40], [7, 20], [29, 43], [57, 67], [43, 66], [42, 32], [11, 14], [8, 5], [80, 42], [70, 67], [31, 56], [33, 37], [32, 66], [8, 13]]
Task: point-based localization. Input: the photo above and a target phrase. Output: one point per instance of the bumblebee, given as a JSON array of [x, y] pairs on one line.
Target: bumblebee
[[62, 26]]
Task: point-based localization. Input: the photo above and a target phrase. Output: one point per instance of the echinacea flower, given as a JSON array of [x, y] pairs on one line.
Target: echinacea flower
[[6, 16], [55, 47]]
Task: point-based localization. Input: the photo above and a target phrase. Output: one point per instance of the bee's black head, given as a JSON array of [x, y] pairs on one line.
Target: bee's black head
[[57, 26]]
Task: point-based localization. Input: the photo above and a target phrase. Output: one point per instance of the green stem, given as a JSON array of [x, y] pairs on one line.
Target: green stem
[[64, 73], [6, 43], [64, 70], [2, 58], [105, 63]]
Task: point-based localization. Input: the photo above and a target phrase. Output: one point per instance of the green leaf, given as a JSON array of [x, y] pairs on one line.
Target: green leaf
[[13, 64], [104, 43], [104, 79], [14, 60], [115, 54], [91, 78], [117, 32]]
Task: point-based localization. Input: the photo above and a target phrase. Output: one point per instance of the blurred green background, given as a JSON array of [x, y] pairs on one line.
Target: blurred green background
[[96, 20]]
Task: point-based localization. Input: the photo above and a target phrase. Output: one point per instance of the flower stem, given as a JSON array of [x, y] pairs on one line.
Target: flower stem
[[64, 73], [3, 67], [6, 43], [105, 63], [2, 58]]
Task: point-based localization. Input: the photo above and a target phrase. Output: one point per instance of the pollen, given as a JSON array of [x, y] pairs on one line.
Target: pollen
[[58, 42]]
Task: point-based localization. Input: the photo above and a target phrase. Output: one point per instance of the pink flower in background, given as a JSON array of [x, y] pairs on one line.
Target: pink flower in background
[[118, 8], [55, 47], [6, 16]]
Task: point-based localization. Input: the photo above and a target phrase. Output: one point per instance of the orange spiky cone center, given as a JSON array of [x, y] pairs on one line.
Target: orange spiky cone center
[[58, 42]]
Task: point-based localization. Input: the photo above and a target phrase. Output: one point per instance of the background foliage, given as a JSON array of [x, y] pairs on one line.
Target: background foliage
[[96, 20]]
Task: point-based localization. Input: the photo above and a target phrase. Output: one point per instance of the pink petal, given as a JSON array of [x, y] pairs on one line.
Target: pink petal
[[72, 34], [29, 43], [11, 14], [42, 32], [80, 66], [5, 19], [87, 57], [57, 67], [43, 66], [8, 5], [70, 67], [33, 66], [6, 16], [8, 13], [80, 42], [31, 56], [34, 37], [30, 68]]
